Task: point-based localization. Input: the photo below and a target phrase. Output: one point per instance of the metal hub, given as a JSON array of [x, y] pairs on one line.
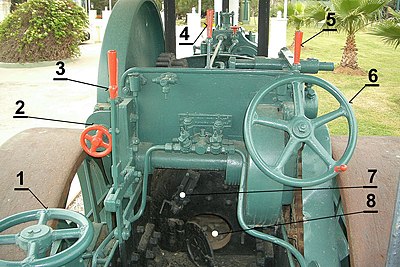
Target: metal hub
[[302, 128], [35, 232]]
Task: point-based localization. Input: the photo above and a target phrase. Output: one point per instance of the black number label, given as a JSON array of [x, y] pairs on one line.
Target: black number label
[[20, 175], [330, 19], [371, 200], [185, 33], [21, 105], [372, 76], [61, 68], [374, 171]]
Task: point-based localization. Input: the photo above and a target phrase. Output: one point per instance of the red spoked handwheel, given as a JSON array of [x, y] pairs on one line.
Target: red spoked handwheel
[[96, 141]]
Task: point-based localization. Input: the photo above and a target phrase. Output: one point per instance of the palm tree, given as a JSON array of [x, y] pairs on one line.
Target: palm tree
[[389, 29], [352, 16]]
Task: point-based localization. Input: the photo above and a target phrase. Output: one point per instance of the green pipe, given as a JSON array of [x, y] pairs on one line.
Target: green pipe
[[255, 233], [145, 180]]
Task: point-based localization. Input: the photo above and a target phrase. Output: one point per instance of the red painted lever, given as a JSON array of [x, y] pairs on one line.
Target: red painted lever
[[298, 37], [113, 73], [210, 19], [341, 168]]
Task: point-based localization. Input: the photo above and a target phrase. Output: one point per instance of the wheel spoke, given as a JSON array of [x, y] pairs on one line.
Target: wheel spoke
[[321, 151], [328, 117], [43, 218], [8, 239], [66, 233], [290, 148], [88, 137], [99, 134], [298, 98], [33, 250], [105, 145], [271, 122]]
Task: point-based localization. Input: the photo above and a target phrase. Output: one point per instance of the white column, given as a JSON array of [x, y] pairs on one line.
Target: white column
[[234, 6], [4, 8], [285, 3], [217, 5]]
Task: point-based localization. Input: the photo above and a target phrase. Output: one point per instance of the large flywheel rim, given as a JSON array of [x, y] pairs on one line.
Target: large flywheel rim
[[135, 31]]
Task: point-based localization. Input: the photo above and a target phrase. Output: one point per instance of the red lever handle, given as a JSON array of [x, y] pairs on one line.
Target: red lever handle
[[113, 73], [298, 37], [210, 19]]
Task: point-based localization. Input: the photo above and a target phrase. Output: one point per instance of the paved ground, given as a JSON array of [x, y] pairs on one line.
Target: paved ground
[[43, 97]]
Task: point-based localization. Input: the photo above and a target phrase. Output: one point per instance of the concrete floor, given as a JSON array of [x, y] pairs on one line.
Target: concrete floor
[[43, 97]]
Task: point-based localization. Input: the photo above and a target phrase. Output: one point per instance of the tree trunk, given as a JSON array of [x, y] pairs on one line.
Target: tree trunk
[[349, 57]]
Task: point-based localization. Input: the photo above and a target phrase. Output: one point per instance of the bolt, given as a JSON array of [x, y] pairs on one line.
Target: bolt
[[228, 202], [209, 198]]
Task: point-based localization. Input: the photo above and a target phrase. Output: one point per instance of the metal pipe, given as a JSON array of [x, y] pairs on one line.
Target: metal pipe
[[145, 180], [253, 232], [169, 22], [263, 27]]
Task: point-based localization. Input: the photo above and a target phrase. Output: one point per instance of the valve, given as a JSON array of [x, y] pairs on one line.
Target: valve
[[96, 141], [235, 28]]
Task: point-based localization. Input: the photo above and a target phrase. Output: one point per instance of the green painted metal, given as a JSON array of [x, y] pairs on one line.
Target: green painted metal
[[36, 239], [324, 241], [242, 118], [300, 129], [135, 31]]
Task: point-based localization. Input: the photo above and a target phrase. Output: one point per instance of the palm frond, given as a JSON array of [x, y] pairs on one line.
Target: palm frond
[[389, 31]]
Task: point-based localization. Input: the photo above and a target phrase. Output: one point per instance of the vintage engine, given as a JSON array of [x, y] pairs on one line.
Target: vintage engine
[[214, 158]]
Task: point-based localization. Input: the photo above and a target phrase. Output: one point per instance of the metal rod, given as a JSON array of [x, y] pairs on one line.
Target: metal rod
[[169, 22], [263, 27], [225, 5], [215, 53]]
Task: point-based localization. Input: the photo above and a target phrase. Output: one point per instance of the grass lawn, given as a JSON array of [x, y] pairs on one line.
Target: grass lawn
[[377, 108]]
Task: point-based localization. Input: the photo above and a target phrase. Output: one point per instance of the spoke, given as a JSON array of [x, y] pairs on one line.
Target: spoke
[[88, 137], [33, 250], [271, 122], [43, 218], [328, 117], [298, 98], [105, 145], [321, 151], [290, 148], [8, 239], [66, 233], [99, 134]]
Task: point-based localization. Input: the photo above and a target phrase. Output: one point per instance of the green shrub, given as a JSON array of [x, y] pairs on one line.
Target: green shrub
[[41, 30]]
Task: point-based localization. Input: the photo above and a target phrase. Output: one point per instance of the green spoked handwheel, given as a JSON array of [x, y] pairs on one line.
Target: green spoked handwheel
[[301, 130], [37, 239]]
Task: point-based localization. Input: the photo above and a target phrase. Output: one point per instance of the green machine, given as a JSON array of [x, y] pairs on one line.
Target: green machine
[[220, 159]]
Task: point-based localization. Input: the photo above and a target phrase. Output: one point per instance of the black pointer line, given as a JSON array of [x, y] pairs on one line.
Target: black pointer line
[[28, 189], [196, 38], [324, 30], [283, 190], [68, 79], [46, 119], [365, 85], [301, 221]]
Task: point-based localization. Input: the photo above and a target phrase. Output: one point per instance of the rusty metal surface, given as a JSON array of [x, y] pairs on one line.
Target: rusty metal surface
[[369, 234], [49, 159]]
